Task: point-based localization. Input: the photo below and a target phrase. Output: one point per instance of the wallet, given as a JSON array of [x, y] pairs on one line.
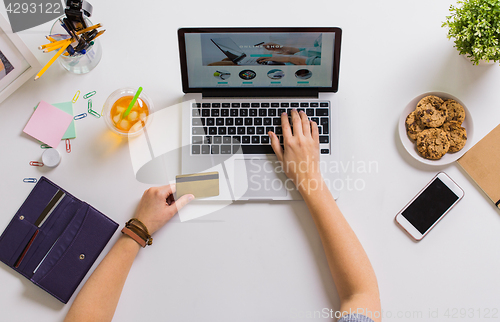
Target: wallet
[[54, 239]]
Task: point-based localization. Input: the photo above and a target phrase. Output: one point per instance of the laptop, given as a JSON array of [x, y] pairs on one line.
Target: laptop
[[230, 104]]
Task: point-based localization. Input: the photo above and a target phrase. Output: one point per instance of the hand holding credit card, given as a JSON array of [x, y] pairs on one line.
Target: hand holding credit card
[[201, 185]]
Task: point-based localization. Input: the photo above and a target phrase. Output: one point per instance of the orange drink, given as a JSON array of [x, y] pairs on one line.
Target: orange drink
[[139, 116]]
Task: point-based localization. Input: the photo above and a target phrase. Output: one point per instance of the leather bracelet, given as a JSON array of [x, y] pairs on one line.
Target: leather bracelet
[[138, 228], [134, 236]]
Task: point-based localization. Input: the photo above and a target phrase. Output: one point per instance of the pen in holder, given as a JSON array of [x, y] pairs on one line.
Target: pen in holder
[[78, 63]]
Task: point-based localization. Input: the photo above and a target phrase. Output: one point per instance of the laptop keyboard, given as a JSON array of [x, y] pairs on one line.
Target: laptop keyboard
[[222, 128]]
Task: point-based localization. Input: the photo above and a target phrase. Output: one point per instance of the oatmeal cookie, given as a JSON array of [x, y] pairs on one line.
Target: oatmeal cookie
[[456, 112], [457, 136], [413, 126], [432, 143]]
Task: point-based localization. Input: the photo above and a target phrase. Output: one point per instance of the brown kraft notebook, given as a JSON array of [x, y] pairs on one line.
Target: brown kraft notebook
[[482, 163]]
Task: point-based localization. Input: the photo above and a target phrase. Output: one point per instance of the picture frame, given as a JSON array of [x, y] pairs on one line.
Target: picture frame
[[17, 63]]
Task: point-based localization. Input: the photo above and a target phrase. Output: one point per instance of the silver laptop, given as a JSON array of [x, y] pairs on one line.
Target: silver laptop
[[231, 105]]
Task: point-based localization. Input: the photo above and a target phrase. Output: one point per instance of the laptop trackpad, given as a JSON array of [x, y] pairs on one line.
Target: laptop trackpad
[[262, 180]]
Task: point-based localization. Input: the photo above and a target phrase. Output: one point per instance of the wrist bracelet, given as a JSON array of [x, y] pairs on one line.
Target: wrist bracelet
[[134, 236], [135, 229]]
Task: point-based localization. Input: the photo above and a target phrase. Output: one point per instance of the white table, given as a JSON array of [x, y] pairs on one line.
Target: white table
[[260, 261]]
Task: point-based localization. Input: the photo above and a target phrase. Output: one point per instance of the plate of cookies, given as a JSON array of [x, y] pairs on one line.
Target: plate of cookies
[[436, 128]]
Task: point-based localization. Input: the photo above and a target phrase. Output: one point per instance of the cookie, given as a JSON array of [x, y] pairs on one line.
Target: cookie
[[457, 136], [431, 112], [432, 143], [413, 126], [456, 112]]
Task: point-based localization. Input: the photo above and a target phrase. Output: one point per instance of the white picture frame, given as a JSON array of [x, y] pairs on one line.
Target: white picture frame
[[17, 62]]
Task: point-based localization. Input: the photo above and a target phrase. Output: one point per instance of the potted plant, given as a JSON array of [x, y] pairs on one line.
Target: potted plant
[[475, 26]]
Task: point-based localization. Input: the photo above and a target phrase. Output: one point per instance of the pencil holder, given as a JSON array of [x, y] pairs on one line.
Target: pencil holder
[[79, 63]]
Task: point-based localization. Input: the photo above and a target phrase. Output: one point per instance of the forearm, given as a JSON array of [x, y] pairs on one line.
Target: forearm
[[99, 296], [348, 262]]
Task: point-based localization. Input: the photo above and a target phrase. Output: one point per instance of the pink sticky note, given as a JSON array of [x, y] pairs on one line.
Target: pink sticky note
[[48, 124]]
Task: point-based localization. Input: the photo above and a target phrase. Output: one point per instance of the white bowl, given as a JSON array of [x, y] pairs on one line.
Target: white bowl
[[411, 147]]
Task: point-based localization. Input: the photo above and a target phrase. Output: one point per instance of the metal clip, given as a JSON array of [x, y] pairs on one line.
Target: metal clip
[[29, 180], [80, 116], [91, 111], [36, 163], [90, 94], [45, 146], [68, 145], [75, 98]]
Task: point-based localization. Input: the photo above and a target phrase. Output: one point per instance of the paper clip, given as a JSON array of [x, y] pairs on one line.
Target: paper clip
[[45, 146], [36, 163], [75, 98], [90, 94], [68, 145], [102, 111], [29, 180], [80, 116], [91, 111]]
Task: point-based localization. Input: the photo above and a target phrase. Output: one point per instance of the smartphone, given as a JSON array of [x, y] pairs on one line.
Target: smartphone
[[429, 206]]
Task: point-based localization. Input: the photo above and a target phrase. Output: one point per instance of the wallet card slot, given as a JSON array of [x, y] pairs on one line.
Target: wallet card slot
[[49, 233], [62, 243], [62, 279], [15, 238]]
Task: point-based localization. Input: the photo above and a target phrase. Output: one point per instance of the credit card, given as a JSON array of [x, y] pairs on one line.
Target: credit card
[[201, 185], [49, 208], [47, 211]]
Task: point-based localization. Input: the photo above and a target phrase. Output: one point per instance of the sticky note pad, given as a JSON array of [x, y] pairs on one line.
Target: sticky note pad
[[68, 108], [48, 124], [201, 185]]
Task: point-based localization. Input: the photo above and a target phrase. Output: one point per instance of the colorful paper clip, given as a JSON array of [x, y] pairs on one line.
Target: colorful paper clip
[[29, 180], [91, 111], [95, 113], [68, 145], [45, 146], [80, 116], [88, 95], [36, 163], [75, 98]]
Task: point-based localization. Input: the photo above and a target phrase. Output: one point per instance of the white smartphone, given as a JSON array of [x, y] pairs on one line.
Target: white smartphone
[[429, 206]]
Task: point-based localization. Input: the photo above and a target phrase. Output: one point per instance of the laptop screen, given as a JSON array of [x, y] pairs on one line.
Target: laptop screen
[[260, 58]]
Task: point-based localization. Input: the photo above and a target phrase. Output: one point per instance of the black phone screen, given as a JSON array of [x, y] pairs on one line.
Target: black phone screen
[[430, 205]]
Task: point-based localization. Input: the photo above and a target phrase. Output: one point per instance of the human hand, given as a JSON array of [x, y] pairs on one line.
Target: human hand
[[300, 158], [157, 206]]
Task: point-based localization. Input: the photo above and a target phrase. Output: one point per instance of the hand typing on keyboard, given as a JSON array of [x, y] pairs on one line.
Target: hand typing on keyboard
[[300, 152]]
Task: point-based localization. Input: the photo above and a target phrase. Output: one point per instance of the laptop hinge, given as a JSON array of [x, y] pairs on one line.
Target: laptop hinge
[[261, 92]]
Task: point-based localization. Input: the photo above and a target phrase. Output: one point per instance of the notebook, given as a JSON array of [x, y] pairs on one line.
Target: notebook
[[482, 163], [237, 82]]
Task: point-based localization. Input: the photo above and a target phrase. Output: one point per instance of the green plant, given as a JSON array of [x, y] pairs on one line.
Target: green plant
[[476, 29]]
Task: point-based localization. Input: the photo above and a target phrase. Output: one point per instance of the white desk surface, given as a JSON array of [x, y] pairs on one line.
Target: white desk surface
[[259, 261]]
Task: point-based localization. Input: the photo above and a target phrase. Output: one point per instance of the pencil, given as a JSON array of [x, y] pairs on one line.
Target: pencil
[[56, 44], [99, 33], [50, 39], [48, 50], [52, 60], [88, 29]]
